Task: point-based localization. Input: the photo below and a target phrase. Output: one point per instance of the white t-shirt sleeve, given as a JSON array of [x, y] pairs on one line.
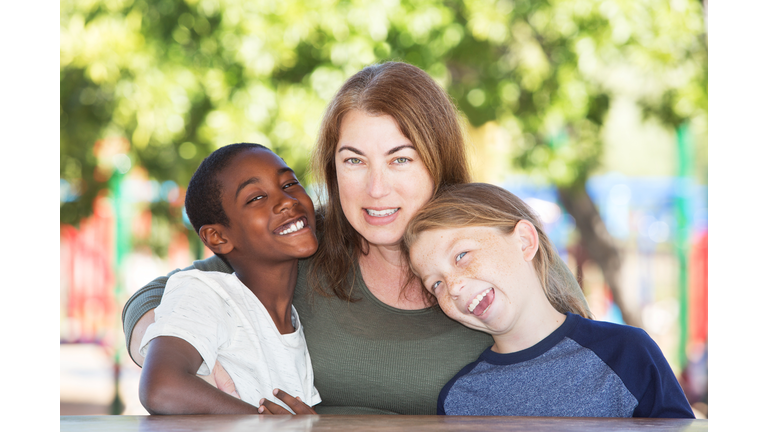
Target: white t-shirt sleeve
[[192, 309], [315, 398]]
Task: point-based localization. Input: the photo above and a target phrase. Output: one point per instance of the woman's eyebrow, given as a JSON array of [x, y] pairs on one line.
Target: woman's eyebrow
[[393, 150], [350, 148]]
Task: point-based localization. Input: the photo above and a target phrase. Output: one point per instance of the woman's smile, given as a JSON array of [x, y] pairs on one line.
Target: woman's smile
[[381, 213]]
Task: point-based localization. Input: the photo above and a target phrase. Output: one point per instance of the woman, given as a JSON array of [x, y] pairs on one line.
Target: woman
[[389, 140]]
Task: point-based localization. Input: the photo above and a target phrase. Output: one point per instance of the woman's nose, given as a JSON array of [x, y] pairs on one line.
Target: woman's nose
[[378, 183]]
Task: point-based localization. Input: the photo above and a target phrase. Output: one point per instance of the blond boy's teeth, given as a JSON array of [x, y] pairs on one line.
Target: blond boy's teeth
[[478, 299], [381, 213], [299, 224]]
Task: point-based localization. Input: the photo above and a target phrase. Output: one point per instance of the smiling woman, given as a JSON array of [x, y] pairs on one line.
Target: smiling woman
[[389, 140]]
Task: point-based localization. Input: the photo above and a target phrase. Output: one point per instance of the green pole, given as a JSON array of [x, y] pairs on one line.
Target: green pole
[[683, 214], [122, 247]]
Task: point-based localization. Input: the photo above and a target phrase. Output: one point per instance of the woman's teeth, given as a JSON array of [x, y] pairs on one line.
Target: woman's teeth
[[478, 299], [381, 213], [299, 224]]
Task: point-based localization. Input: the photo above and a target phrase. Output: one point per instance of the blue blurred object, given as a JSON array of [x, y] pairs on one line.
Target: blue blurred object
[[543, 199], [613, 315]]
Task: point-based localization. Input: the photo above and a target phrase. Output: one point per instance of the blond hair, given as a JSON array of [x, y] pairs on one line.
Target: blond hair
[[424, 114], [485, 205]]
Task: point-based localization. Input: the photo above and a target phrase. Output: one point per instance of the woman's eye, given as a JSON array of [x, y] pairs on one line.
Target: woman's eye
[[354, 161], [401, 160], [460, 256]]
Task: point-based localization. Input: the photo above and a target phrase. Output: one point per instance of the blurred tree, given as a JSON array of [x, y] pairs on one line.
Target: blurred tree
[[178, 78], [547, 72]]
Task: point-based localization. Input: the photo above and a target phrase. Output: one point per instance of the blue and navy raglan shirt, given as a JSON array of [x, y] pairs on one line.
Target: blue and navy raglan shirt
[[585, 368]]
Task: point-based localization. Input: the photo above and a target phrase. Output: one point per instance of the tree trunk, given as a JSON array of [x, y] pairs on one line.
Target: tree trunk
[[600, 246]]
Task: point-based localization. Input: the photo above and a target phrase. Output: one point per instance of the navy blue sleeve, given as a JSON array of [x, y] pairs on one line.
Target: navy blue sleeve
[[447, 387], [638, 361]]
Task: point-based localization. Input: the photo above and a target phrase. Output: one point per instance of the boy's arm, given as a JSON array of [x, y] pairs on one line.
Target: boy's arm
[[169, 384], [647, 374], [663, 397], [138, 312]]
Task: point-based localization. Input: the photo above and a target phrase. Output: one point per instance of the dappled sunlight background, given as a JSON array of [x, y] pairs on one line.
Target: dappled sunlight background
[[593, 111]]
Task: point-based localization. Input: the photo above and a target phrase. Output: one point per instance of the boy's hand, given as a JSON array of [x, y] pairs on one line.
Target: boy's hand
[[295, 403], [224, 381]]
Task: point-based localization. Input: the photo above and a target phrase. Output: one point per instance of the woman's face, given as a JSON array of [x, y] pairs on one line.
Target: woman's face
[[382, 180]]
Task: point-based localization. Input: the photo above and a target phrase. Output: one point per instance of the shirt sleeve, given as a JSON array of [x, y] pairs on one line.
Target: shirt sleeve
[[148, 297], [315, 397], [662, 397], [195, 311], [633, 355]]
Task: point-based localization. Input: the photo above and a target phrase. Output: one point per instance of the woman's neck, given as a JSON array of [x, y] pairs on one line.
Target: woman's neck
[[273, 284], [385, 271]]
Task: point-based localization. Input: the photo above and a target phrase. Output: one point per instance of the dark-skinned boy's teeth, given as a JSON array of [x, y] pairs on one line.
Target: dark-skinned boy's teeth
[[299, 224]]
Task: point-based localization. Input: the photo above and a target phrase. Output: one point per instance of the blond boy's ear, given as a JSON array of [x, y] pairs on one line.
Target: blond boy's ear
[[529, 238], [214, 238]]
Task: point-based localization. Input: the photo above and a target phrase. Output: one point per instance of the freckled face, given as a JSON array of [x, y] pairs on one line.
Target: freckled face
[[479, 276], [382, 180]]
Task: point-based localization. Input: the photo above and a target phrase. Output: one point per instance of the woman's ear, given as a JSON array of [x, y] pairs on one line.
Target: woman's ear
[[214, 238], [529, 238]]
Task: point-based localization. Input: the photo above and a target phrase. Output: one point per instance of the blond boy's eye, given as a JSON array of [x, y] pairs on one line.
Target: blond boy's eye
[[460, 256], [435, 285]]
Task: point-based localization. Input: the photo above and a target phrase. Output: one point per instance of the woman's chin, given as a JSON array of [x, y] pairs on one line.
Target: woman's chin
[[384, 240], [381, 235]]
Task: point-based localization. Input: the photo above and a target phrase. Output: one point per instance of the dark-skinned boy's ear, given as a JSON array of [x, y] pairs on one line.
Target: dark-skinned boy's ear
[[214, 238]]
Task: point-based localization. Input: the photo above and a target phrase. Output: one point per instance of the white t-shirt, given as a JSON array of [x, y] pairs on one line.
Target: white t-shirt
[[219, 316]]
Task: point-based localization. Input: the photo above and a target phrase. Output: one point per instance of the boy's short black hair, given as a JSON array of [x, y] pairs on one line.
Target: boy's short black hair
[[203, 199]]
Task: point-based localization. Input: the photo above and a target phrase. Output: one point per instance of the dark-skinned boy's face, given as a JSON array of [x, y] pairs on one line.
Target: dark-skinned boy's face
[[271, 217]]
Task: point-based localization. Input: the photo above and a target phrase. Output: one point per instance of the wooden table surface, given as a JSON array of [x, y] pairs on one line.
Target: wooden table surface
[[382, 423]]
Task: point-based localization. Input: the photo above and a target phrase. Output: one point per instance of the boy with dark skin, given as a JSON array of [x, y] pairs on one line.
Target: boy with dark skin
[[261, 222]]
